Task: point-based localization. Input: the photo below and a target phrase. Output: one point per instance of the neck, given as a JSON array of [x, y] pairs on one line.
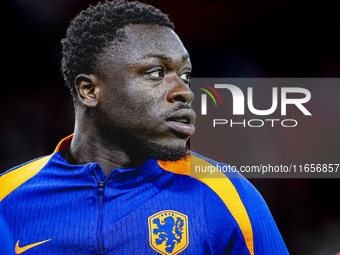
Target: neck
[[89, 147]]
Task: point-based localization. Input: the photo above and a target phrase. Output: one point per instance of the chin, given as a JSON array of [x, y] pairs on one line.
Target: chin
[[170, 152]]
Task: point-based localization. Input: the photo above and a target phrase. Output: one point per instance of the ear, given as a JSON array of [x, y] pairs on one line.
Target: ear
[[87, 86]]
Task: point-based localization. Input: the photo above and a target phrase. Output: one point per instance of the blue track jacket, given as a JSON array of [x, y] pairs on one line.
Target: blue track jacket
[[161, 207]]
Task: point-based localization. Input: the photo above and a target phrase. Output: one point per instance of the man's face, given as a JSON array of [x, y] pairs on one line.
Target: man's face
[[146, 101]]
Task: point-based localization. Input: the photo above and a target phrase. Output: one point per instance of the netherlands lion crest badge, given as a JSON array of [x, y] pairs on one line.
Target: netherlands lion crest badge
[[168, 232]]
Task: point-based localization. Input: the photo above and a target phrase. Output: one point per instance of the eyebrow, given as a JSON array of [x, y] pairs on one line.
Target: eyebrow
[[164, 57]]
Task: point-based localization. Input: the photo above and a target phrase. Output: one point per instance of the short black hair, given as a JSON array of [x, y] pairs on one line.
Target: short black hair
[[95, 28]]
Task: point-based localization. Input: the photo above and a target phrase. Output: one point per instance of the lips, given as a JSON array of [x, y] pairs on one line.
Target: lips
[[182, 121]]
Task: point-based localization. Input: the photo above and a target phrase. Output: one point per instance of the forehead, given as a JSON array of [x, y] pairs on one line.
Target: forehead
[[142, 41]]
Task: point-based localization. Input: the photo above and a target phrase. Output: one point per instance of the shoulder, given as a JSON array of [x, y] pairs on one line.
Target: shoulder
[[223, 203], [230, 186], [223, 179], [16, 176], [246, 205]]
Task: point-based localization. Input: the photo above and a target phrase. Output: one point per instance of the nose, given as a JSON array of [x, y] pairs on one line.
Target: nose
[[180, 93]]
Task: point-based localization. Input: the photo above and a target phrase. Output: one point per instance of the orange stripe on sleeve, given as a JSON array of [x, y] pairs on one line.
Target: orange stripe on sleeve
[[222, 186], [13, 179]]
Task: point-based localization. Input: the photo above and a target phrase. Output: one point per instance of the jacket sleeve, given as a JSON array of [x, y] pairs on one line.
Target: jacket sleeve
[[266, 236], [6, 242], [224, 233]]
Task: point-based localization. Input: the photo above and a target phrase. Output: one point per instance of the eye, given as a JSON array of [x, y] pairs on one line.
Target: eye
[[158, 73], [185, 77]]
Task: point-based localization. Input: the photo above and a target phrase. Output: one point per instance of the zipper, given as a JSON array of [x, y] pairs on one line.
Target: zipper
[[100, 223]]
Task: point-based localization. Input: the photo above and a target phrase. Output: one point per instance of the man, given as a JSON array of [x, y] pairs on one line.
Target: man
[[121, 183]]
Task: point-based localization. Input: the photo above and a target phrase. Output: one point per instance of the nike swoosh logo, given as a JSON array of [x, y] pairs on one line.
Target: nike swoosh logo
[[19, 250]]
